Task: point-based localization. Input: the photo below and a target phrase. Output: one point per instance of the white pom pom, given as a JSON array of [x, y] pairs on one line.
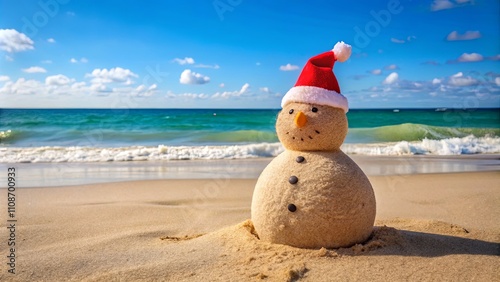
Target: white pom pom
[[342, 51]]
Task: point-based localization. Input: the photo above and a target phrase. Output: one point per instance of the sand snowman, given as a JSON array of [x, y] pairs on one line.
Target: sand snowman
[[313, 195]]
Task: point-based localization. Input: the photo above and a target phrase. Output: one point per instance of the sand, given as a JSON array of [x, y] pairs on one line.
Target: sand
[[430, 227]]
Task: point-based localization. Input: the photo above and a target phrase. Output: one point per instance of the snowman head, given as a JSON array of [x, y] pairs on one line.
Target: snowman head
[[311, 127], [313, 116]]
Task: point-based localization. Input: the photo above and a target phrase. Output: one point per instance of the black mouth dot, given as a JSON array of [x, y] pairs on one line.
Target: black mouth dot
[[316, 131], [301, 139], [293, 138], [310, 137], [287, 132]]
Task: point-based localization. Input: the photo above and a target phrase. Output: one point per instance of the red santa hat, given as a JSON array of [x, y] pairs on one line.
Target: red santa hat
[[317, 83]]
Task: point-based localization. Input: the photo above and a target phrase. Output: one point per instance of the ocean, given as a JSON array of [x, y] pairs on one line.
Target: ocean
[[108, 135]]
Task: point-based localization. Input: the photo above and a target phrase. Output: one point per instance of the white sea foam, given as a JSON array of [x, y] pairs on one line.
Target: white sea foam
[[136, 153], [449, 146]]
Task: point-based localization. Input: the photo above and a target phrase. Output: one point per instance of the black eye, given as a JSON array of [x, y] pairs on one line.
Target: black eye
[[314, 109], [291, 111]]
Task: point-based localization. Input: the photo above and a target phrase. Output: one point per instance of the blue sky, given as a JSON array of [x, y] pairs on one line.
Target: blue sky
[[246, 54]]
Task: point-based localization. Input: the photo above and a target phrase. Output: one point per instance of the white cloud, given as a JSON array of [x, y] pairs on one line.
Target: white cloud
[[190, 61], [391, 67], [472, 57], [58, 79], [118, 75], [46, 62], [141, 88], [438, 5], [4, 78], [228, 94], [78, 85], [22, 87], [185, 61], [98, 87], [221, 85], [459, 79], [441, 5], [51, 40], [35, 70], [13, 41], [189, 77], [9, 58], [82, 60], [265, 89], [376, 71], [391, 78], [140, 91], [468, 35], [402, 41], [399, 41], [453, 87], [195, 96], [62, 85], [244, 88], [289, 67], [207, 66]]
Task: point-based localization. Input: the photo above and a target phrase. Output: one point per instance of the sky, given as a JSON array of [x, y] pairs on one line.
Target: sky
[[246, 54]]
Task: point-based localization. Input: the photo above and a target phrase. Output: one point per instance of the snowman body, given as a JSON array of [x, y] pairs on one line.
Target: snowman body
[[313, 195], [331, 204]]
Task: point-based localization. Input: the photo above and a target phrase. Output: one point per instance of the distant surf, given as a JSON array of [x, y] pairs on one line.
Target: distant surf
[[414, 132], [448, 146]]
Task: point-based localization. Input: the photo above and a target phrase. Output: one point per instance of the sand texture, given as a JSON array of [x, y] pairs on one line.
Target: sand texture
[[437, 227], [324, 130], [334, 201]]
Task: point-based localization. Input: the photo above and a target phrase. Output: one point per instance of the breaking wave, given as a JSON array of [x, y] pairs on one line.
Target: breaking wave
[[447, 146]]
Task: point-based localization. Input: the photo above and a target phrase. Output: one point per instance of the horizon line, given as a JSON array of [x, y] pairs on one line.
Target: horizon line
[[353, 109]]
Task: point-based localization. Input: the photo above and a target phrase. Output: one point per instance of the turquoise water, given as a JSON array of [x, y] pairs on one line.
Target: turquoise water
[[95, 128], [114, 128], [211, 127]]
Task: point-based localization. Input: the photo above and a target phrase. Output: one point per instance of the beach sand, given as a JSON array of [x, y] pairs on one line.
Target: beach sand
[[431, 227]]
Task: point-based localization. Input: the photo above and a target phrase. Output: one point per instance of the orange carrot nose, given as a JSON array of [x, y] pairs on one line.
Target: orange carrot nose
[[300, 119]]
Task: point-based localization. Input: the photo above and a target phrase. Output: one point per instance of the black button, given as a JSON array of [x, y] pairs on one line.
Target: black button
[[300, 159], [292, 207], [293, 179]]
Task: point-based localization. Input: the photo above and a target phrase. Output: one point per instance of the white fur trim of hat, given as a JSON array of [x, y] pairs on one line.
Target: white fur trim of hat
[[315, 95]]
